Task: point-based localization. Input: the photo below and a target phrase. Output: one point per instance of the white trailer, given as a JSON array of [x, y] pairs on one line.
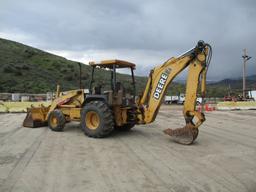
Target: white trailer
[[15, 97], [168, 99], [252, 94], [182, 98]]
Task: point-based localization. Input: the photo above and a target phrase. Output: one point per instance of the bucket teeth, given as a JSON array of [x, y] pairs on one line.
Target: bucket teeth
[[185, 135]]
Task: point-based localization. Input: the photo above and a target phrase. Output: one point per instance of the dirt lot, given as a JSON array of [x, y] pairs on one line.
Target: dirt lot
[[222, 159]]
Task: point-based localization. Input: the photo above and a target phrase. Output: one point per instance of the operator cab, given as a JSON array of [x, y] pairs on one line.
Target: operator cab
[[116, 92]]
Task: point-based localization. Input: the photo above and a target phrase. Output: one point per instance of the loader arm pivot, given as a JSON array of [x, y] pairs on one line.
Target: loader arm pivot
[[197, 61]]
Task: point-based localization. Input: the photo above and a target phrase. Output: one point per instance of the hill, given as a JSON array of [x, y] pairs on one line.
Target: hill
[[30, 70], [234, 86], [27, 69]]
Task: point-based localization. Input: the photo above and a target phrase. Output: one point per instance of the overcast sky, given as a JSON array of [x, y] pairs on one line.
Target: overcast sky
[[146, 32]]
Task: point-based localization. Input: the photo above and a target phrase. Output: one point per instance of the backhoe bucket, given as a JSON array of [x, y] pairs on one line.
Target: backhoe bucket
[[186, 135], [36, 117]]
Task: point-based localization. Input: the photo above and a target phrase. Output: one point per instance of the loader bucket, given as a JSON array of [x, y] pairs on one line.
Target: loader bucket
[[186, 135], [36, 117]]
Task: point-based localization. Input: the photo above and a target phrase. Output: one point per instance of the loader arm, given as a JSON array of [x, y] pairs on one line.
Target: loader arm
[[196, 60]]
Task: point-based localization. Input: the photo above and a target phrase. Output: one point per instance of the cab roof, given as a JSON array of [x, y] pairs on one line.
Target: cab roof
[[109, 64]]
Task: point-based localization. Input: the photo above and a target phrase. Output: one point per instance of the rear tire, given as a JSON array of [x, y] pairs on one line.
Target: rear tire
[[97, 119], [56, 120]]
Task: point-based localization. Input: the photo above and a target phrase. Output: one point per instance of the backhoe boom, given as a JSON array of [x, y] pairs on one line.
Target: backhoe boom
[[161, 77]]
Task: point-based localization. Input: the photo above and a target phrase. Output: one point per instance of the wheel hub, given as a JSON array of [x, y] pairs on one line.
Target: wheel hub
[[54, 121], [92, 120]]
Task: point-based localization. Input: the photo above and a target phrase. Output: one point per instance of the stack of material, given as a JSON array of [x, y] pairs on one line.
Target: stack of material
[[232, 105], [16, 107]]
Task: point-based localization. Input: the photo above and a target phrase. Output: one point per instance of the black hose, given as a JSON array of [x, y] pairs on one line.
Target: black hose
[[209, 57]]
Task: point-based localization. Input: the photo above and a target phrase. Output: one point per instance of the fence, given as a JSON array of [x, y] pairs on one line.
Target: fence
[[25, 97]]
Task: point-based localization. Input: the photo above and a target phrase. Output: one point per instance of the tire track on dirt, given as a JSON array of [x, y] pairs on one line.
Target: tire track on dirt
[[17, 171], [6, 136], [174, 171]]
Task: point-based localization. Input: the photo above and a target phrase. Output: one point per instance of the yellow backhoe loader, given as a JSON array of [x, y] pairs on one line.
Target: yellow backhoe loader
[[99, 112]]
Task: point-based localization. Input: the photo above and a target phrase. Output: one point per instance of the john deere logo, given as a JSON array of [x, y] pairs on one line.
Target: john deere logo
[[161, 83]]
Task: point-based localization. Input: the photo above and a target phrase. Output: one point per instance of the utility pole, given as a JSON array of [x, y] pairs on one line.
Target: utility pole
[[246, 58]]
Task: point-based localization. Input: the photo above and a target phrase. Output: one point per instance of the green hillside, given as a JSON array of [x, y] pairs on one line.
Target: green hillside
[[25, 69], [232, 86]]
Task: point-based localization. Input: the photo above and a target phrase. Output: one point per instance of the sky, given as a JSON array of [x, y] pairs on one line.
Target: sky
[[146, 32]]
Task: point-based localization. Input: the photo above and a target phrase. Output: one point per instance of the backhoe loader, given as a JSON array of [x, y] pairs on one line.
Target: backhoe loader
[[100, 112]]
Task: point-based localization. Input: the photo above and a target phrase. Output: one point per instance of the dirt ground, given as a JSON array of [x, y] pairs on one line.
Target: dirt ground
[[223, 158]]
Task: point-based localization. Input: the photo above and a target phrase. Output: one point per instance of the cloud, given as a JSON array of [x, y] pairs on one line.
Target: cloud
[[144, 32]]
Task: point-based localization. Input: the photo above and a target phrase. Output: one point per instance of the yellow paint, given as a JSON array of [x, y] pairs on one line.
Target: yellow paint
[[72, 113], [69, 103], [162, 76], [232, 105], [19, 106], [74, 97], [120, 115], [53, 121], [92, 120], [110, 63]]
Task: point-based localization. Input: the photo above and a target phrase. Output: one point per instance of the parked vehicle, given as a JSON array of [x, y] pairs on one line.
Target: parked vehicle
[[252, 94], [171, 99], [182, 98]]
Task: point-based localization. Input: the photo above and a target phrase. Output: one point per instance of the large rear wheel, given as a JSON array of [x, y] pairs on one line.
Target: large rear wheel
[[96, 119], [56, 120]]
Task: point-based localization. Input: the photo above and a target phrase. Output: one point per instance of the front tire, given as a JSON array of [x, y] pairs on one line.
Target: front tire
[[97, 119], [56, 120]]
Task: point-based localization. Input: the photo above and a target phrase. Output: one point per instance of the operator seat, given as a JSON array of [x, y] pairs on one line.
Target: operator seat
[[97, 90], [120, 87]]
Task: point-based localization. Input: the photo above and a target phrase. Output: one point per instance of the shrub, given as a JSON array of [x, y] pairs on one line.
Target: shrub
[[17, 67], [25, 67], [69, 78], [29, 53], [63, 70], [9, 69], [17, 73], [56, 65], [70, 66], [84, 77]]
